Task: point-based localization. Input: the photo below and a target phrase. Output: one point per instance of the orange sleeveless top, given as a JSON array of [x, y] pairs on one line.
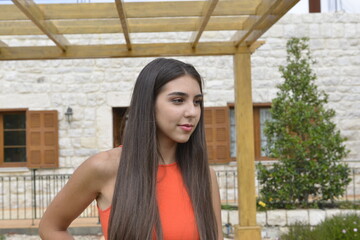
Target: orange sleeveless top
[[175, 208]]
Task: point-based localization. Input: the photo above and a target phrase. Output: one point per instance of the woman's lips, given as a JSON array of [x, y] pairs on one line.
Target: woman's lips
[[186, 127]]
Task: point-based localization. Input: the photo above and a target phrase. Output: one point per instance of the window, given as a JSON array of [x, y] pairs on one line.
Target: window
[[13, 138], [261, 115], [221, 134], [119, 122], [28, 139]]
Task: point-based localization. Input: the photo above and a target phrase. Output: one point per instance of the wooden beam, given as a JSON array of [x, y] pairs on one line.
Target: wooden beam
[[262, 12], [133, 10], [123, 20], [278, 12], [255, 46], [120, 50], [206, 14], [3, 44], [30, 9], [245, 157], [137, 25]]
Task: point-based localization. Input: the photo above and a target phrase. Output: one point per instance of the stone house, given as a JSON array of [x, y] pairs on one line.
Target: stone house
[[35, 95]]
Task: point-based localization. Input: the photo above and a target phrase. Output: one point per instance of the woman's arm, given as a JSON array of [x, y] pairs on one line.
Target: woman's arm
[[216, 202], [82, 188]]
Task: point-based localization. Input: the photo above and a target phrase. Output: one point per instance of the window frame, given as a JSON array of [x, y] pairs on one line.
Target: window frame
[[43, 155], [119, 115], [256, 122], [12, 164], [257, 136]]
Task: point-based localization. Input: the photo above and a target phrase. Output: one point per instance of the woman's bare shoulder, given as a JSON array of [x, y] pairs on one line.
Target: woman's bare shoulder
[[104, 164]]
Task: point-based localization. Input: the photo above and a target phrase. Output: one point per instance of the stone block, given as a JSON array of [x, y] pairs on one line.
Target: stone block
[[294, 216], [89, 132], [88, 142], [64, 142], [66, 152], [261, 218], [39, 100], [276, 31], [83, 152], [314, 30], [307, 18], [316, 216], [350, 30], [224, 218], [118, 99], [270, 233], [347, 212], [329, 213], [234, 217], [326, 30], [75, 133], [276, 218]]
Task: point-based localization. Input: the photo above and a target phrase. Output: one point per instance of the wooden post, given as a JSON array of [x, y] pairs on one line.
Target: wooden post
[[245, 157]]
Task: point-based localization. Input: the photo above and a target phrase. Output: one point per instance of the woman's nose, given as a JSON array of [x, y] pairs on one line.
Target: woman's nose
[[191, 110]]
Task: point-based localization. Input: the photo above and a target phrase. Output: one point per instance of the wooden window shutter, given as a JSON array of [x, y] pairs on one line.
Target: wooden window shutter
[[42, 139], [217, 134]]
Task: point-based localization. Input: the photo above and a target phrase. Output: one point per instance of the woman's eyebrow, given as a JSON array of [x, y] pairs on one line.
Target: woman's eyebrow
[[183, 94], [178, 94]]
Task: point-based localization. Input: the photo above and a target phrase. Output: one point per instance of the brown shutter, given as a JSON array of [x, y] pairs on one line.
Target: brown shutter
[[42, 139], [217, 127]]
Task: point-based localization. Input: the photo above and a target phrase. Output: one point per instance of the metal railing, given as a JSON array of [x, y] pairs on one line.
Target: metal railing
[[227, 180], [27, 196]]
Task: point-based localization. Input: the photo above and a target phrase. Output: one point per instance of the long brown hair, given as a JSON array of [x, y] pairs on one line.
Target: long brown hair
[[134, 213]]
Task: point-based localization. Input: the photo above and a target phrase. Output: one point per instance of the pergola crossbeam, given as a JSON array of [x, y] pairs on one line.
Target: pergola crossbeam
[[123, 20], [277, 13], [30, 9], [3, 44], [206, 14], [264, 10], [138, 25], [133, 10], [256, 45], [120, 50]]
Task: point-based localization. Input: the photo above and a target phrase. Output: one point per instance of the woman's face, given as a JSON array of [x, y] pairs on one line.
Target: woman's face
[[178, 110]]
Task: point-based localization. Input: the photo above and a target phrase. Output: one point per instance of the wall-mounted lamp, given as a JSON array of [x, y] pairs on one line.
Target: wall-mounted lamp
[[69, 114]]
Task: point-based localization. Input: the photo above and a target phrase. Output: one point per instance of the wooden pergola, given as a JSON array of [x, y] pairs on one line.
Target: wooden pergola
[[245, 20]]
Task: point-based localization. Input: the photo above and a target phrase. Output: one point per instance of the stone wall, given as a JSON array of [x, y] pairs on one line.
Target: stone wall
[[92, 87], [275, 222]]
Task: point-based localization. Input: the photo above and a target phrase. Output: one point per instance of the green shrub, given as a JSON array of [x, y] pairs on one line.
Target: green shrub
[[298, 231], [342, 227], [303, 138]]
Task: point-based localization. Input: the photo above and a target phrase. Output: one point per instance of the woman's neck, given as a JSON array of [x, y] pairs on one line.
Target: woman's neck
[[168, 153]]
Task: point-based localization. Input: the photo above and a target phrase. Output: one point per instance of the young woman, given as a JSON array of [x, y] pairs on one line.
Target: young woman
[[158, 185]]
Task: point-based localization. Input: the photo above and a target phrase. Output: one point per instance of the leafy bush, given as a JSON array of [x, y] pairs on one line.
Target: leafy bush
[[303, 138], [342, 227]]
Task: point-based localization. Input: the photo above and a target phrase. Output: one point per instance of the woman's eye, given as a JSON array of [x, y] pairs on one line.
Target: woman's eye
[[198, 102], [177, 100]]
